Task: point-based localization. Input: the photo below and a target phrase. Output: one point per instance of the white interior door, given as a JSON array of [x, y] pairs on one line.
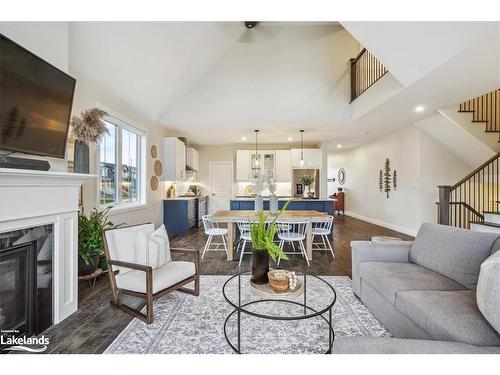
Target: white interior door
[[221, 185]]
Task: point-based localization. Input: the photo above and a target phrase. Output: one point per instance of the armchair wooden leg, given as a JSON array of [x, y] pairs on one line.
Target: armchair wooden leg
[[149, 297]]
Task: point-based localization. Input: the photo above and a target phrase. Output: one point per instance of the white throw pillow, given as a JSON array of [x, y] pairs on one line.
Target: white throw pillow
[[152, 249], [488, 290], [161, 232]]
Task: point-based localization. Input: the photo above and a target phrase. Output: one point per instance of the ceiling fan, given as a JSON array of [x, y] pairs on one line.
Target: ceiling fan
[[250, 31]]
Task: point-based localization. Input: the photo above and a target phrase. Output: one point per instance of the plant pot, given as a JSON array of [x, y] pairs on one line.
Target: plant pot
[[81, 157], [103, 263], [87, 269], [260, 266]]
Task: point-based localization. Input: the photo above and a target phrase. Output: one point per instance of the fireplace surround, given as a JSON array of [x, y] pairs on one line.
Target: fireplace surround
[[30, 199]]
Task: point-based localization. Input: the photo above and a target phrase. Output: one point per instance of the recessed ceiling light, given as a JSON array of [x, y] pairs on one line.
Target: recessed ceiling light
[[339, 146], [290, 138], [243, 138], [419, 108]]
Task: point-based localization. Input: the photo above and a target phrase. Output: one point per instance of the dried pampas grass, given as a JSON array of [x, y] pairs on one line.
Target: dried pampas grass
[[89, 127]]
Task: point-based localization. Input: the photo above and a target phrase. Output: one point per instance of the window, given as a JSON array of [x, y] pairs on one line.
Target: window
[[122, 175]]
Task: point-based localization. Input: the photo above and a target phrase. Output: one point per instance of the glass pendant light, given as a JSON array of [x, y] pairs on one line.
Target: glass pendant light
[[256, 157], [302, 147]]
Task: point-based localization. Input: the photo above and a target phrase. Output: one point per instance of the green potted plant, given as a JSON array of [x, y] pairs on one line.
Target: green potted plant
[[339, 189], [263, 246], [90, 241], [307, 181]]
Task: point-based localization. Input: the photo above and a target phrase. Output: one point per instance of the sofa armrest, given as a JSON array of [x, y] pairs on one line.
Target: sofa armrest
[[366, 251]]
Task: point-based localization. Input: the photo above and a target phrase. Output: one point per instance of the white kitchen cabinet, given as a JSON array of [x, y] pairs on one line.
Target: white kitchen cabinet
[[242, 165], [312, 158], [193, 159], [174, 159], [283, 166]]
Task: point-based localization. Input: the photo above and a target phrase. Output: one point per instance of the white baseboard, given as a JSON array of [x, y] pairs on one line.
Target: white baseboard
[[397, 228]]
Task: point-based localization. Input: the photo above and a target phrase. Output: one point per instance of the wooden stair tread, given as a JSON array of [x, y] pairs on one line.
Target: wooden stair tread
[[488, 224]]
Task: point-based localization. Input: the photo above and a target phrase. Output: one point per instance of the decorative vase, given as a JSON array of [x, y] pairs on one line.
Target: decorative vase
[[81, 157], [260, 266], [305, 191], [259, 203], [273, 204]]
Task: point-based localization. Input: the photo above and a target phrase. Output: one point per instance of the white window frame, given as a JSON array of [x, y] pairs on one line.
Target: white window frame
[[141, 165]]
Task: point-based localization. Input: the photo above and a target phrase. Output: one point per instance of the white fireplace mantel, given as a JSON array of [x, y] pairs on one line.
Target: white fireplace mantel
[[33, 198]]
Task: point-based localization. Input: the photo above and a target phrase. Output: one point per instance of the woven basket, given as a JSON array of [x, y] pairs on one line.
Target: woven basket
[[278, 285]]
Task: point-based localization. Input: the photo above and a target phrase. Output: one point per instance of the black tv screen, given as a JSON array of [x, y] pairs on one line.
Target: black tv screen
[[35, 102]]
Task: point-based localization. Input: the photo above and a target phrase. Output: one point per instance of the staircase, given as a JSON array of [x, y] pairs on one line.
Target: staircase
[[473, 202], [485, 110]]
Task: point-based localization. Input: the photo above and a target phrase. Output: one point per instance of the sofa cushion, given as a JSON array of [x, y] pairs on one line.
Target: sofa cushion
[[488, 290], [391, 277], [448, 315], [453, 252], [163, 277], [389, 345]]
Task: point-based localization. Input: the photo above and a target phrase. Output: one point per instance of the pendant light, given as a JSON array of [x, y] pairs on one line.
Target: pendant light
[[256, 159], [302, 147]]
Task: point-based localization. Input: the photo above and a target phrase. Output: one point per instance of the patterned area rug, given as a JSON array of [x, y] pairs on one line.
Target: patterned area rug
[[185, 324]]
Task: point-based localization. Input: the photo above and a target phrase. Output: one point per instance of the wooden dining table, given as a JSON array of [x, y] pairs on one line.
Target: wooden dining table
[[230, 217]]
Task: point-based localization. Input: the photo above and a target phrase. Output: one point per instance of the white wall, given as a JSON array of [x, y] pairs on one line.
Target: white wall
[[90, 94], [421, 163]]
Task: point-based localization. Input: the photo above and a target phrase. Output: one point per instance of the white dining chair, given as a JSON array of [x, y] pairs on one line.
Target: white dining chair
[[323, 229], [293, 232], [212, 230], [244, 229]]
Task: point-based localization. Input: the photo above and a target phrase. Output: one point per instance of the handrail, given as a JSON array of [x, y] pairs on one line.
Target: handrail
[[365, 70], [354, 59], [469, 208], [475, 171]]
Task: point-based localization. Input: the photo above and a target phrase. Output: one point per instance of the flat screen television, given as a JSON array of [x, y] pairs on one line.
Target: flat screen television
[[35, 102]]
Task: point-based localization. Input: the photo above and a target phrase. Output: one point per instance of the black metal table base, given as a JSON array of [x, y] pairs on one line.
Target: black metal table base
[[237, 348]]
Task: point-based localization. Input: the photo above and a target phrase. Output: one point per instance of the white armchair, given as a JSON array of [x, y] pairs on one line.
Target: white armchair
[[128, 277]]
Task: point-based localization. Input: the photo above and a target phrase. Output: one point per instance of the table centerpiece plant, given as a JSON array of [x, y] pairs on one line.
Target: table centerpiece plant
[[90, 240], [263, 246]]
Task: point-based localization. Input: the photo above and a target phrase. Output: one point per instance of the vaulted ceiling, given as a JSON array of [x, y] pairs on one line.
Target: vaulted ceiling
[[215, 82]]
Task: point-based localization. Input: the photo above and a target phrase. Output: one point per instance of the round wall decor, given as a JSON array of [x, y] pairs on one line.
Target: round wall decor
[[154, 152], [158, 168], [341, 176], [154, 183]]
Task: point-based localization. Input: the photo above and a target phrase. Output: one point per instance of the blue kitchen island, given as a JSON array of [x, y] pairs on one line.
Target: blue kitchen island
[[321, 205]]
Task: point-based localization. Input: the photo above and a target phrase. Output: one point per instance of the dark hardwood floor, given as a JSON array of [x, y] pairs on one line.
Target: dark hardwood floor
[[96, 323]]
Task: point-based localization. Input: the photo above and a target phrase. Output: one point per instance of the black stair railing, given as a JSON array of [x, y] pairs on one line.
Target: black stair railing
[[485, 109], [365, 71], [467, 200]]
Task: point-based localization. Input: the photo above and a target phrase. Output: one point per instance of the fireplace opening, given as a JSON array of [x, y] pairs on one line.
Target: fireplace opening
[[26, 300]]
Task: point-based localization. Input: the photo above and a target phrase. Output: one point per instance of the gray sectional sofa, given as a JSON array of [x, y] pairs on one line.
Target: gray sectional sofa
[[437, 294]]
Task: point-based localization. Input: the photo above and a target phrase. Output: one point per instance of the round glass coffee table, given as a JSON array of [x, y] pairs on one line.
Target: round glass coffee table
[[306, 312]]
